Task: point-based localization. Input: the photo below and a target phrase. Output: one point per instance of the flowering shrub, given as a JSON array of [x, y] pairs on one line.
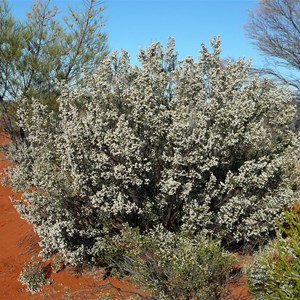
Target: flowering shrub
[[191, 145]]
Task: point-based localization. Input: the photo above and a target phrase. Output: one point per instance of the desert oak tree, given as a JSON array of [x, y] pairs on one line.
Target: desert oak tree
[[45, 49]]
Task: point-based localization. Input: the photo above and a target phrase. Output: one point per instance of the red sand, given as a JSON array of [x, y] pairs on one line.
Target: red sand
[[18, 243], [15, 238], [237, 287]]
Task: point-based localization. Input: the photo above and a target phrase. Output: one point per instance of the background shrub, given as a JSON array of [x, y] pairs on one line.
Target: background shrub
[[197, 146]]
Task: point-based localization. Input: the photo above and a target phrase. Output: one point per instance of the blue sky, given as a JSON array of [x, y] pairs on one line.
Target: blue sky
[[134, 24]]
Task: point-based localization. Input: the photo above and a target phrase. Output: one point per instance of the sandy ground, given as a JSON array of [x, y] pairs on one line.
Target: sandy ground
[[18, 243]]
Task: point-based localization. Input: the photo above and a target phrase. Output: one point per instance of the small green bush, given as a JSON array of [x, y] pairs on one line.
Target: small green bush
[[58, 264], [34, 276], [276, 272], [172, 265]]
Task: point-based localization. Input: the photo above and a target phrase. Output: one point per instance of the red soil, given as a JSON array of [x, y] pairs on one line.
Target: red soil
[[18, 243], [237, 287]]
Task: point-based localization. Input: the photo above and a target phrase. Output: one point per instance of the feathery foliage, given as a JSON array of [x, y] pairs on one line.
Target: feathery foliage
[[41, 51]]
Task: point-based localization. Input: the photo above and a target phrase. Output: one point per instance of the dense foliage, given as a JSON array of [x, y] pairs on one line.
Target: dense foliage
[[192, 145]]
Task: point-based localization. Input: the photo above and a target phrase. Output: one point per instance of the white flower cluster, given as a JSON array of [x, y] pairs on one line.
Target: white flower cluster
[[194, 145]]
